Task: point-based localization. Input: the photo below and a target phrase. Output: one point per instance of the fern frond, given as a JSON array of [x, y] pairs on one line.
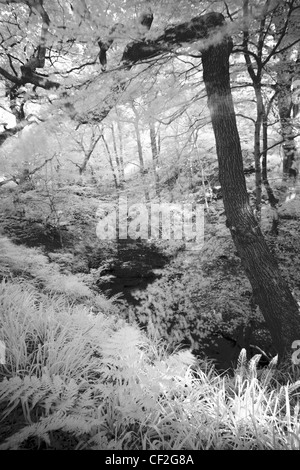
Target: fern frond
[[15, 390], [252, 365], [273, 363], [241, 369], [268, 372], [74, 424], [181, 361], [242, 360], [47, 392], [123, 346]]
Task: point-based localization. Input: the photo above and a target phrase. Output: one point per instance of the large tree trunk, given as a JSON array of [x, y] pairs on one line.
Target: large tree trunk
[[272, 293]]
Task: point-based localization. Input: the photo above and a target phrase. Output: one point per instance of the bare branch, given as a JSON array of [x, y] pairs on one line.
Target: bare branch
[[246, 42], [245, 117], [278, 143], [10, 77], [280, 38]]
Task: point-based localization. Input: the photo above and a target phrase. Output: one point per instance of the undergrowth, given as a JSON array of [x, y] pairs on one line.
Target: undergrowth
[[77, 376]]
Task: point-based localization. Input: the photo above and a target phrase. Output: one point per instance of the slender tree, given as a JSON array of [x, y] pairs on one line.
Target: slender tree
[[286, 27], [140, 153], [121, 149], [88, 150], [111, 164], [118, 157], [155, 154]]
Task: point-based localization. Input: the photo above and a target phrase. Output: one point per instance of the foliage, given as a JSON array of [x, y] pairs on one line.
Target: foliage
[[201, 297], [120, 390], [77, 375], [30, 263]]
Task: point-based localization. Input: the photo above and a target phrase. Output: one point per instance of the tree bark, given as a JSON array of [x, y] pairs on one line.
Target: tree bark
[[271, 291], [257, 153]]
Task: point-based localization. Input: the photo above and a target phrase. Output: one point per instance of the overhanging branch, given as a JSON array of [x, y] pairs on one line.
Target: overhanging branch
[[210, 28], [201, 27]]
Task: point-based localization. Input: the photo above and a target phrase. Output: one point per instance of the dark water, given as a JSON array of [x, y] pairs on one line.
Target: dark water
[[132, 268]]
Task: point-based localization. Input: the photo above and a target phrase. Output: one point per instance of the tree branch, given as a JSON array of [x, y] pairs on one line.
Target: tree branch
[[28, 173], [10, 77], [200, 27], [10, 132], [37, 60], [246, 42]]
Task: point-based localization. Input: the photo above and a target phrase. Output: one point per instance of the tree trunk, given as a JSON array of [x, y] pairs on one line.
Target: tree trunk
[[83, 166], [272, 293], [257, 153], [272, 199], [119, 159], [285, 73], [114, 173], [88, 151], [121, 153], [286, 121], [154, 151], [140, 154]]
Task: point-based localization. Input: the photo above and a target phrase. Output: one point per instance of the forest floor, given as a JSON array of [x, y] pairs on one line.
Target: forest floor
[[159, 277], [200, 300]]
